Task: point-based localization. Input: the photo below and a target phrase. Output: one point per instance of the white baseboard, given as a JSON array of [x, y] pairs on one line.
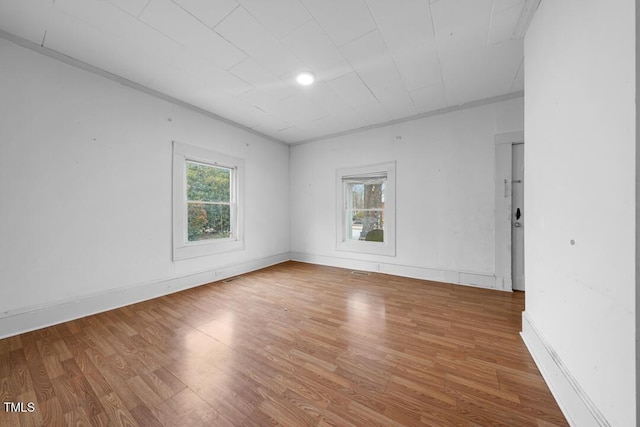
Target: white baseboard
[[30, 318], [478, 280], [576, 406]]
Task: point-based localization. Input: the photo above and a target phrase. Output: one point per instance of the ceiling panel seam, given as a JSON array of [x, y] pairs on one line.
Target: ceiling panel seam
[[393, 59], [143, 9], [192, 15], [433, 25], [515, 77]]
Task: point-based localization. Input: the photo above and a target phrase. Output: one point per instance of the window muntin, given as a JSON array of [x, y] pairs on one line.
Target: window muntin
[[210, 201]]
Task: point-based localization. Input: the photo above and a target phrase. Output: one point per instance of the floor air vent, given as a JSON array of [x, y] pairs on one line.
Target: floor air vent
[[361, 273], [231, 279]]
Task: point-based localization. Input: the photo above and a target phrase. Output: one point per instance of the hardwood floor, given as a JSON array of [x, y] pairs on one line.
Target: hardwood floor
[[295, 345]]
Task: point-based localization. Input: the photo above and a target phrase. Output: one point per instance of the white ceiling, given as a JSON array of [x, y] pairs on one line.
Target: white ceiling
[[376, 60]]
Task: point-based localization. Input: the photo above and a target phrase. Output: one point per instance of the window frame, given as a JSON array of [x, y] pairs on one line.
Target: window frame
[[388, 247], [182, 247]]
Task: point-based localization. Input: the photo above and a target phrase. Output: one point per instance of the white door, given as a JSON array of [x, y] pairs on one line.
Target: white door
[[517, 217]]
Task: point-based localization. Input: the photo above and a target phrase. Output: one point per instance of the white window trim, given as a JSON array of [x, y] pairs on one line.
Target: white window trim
[[388, 247], [182, 248]]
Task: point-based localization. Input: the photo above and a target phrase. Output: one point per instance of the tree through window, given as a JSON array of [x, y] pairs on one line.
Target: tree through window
[[365, 208]]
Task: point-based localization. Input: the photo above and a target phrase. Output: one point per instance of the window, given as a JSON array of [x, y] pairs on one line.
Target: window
[[207, 210], [366, 214]]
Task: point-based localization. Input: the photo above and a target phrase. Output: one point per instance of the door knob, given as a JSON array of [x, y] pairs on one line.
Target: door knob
[[518, 214]]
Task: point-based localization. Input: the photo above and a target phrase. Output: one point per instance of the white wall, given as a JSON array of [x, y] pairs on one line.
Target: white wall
[[637, 129], [580, 166], [445, 221], [85, 192]]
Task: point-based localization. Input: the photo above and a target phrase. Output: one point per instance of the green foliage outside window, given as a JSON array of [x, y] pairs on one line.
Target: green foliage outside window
[[208, 202]]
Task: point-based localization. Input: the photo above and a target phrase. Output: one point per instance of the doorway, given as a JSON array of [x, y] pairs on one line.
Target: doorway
[[517, 216], [509, 211]]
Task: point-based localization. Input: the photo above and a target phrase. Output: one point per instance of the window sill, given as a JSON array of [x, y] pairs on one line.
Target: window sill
[[375, 248], [200, 249]]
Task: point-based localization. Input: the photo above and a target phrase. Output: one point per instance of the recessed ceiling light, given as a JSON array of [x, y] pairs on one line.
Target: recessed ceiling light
[[305, 78]]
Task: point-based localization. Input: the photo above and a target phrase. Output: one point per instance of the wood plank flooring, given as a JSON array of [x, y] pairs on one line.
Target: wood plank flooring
[[292, 345]]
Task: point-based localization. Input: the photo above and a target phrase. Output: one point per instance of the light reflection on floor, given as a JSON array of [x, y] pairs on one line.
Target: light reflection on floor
[[210, 353], [222, 328], [365, 311]]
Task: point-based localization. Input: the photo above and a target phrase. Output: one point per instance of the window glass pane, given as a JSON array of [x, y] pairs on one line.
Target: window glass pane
[[365, 209], [366, 194], [208, 221], [356, 195], [354, 225], [208, 183], [365, 225]]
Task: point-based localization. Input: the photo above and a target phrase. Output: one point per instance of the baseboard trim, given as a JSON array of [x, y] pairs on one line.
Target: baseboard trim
[[35, 317], [576, 406], [478, 280], [30, 318]]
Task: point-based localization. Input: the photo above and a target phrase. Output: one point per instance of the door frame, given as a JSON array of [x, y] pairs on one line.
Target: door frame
[[503, 184]]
